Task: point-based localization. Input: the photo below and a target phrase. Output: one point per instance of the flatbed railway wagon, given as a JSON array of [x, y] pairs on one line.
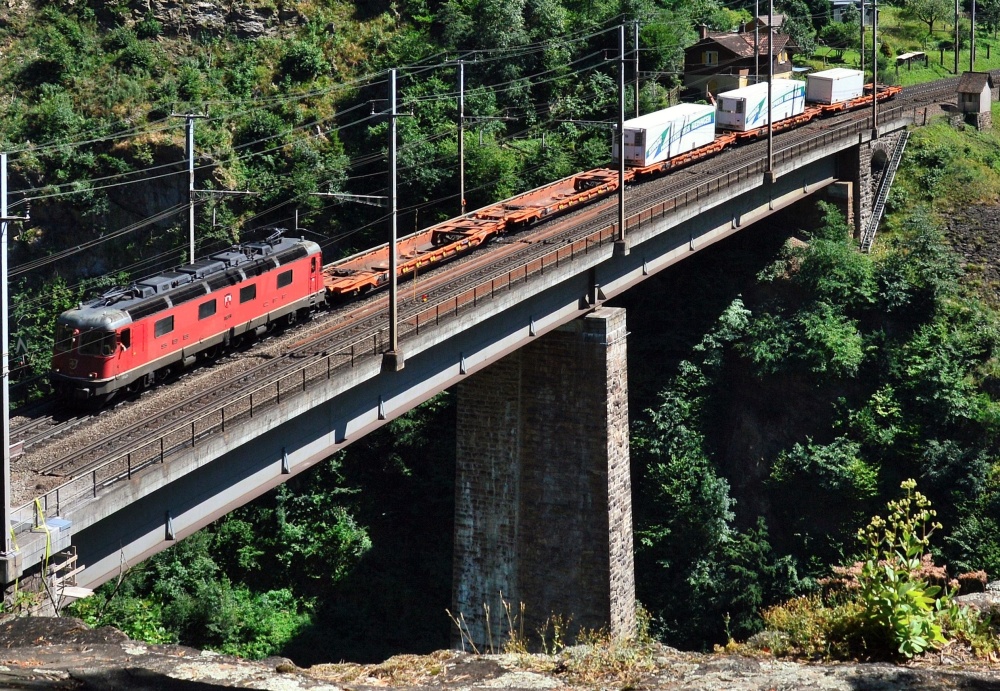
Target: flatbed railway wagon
[[131, 336], [369, 270]]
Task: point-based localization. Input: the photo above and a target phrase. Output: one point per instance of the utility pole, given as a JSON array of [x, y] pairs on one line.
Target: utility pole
[[875, 69], [11, 565], [956, 36], [5, 360], [756, 42], [972, 40], [461, 137], [635, 42], [189, 129], [861, 49], [393, 359], [769, 174], [621, 244]]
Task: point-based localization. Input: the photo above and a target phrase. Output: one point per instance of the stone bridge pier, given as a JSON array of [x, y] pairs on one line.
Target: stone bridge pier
[[863, 167], [543, 513]]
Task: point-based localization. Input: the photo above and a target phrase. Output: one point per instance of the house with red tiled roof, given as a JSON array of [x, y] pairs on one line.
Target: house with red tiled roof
[[777, 19], [725, 60]]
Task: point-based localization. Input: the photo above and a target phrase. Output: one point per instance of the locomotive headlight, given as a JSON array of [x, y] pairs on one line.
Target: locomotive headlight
[[92, 375]]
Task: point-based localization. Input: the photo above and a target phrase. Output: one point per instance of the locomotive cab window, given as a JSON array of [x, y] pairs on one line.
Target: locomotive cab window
[[125, 338], [206, 309], [248, 293], [163, 326], [285, 278], [96, 342], [65, 338]]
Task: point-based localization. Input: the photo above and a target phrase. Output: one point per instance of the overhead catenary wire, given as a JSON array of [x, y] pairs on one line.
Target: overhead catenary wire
[[487, 57]]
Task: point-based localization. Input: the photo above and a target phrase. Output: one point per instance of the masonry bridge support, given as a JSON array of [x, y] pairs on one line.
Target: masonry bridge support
[[543, 514], [863, 167]]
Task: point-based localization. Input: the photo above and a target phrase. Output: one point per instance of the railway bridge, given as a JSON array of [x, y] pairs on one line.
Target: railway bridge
[[543, 509]]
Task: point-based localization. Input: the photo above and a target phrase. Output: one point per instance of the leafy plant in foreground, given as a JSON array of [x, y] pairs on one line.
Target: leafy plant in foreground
[[897, 602], [883, 606]]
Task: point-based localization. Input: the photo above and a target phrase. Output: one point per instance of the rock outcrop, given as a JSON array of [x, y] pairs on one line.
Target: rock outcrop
[[43, 654], [206, 18]]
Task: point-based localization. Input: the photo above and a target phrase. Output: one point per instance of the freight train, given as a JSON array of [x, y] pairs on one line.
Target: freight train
[[131, 337]]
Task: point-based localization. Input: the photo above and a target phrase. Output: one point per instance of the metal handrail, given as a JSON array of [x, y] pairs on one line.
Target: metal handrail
[[883, 193]]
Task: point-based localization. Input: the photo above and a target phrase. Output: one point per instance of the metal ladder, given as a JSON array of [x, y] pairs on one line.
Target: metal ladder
[[883, 193]]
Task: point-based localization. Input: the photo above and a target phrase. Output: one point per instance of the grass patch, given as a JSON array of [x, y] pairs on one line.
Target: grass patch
[[899, 35], [948, 168]]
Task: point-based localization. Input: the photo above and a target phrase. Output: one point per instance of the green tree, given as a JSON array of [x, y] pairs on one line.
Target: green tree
[[798, 24], [929, 11], [820, 493], [840, 35], [832, 270]]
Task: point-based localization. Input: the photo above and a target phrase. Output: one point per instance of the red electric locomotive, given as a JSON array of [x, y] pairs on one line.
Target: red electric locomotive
[[129, 337]]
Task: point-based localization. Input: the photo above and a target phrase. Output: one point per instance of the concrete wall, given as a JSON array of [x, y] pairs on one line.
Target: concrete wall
[[543, 510]]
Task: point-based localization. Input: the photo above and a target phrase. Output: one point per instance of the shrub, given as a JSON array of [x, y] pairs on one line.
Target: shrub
[[810, 627], [303, 61], [136, 56], [149, 27]]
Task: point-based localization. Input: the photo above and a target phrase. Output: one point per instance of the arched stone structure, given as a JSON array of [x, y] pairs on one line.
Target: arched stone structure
[[865, 166]]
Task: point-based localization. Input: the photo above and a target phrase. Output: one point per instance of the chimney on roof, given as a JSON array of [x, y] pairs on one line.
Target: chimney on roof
[[702, 31]]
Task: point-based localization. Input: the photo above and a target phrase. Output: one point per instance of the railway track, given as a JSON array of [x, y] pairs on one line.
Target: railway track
[[366, 321]]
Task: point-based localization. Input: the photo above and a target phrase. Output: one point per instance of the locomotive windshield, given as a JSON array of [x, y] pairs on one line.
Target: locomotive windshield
[[65, 338], [97, 343]]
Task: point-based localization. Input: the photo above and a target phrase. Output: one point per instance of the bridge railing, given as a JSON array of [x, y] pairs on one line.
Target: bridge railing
[[316, 369]]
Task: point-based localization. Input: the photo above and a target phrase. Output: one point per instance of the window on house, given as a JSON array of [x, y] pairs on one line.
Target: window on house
[[710, 57]]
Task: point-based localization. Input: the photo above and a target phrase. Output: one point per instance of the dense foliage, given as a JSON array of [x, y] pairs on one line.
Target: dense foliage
[[852, 372]]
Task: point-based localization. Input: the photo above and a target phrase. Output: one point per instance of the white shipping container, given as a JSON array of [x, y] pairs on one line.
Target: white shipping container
[[834, 86], [746, 109], [666, 133]]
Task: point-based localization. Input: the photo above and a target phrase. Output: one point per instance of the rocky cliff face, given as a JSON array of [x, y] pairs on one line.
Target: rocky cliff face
[[203, 17]]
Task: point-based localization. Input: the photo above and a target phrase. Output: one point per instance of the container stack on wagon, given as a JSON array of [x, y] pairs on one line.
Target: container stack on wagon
[[667, 133], [746, 109], [834, 86]]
